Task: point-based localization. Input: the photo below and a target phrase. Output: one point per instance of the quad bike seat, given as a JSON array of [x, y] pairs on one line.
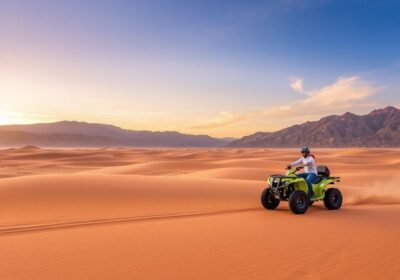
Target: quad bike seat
[[317, 179]]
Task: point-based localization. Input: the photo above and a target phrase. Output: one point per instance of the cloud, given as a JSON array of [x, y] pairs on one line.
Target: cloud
[[346, 93], [224, 119], [297, 84]]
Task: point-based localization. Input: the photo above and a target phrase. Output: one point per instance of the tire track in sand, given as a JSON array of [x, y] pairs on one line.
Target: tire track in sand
[[85, 223]]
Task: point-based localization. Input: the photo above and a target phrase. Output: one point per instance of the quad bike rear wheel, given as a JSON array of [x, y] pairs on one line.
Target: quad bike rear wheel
[[333, 199], [298, 202], [268, 199]]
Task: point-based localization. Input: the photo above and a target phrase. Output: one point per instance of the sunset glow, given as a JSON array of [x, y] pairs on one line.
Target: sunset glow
[[226, 69]]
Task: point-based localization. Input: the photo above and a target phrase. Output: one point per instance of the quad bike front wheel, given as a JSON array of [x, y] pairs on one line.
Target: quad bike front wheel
[[333, 199], [268, 199], [298, 202]]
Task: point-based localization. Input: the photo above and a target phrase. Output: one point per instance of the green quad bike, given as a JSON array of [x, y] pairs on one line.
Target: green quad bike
[[294, 190]]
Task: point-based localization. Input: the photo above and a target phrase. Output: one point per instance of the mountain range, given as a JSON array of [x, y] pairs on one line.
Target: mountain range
[[82, 134], [380, 128]]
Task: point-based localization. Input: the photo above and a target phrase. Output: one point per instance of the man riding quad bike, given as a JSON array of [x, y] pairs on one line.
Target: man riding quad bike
[[298, 192]]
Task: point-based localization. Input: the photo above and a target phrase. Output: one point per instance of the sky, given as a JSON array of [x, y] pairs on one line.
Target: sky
[[217, 67]]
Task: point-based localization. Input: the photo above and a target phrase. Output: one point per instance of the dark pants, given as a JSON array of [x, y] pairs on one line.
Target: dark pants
[[310, 178]]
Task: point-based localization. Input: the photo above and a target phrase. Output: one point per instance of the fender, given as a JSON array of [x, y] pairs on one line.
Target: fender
[[299, 184]]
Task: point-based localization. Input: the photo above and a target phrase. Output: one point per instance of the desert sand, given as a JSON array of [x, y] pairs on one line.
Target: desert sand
[[192, 214]]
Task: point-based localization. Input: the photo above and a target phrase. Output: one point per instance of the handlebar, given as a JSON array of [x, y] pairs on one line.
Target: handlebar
[[289, 168]]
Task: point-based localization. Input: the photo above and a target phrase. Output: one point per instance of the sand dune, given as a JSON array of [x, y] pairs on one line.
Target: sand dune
[[191, 214]]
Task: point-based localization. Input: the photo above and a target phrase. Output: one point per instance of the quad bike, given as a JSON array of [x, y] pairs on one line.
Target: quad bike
[[294, 189]]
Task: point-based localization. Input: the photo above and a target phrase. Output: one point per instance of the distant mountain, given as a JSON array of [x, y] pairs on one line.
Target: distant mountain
[[380, 128], [81, 134]]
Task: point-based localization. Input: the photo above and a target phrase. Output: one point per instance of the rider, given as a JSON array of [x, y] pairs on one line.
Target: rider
[[310, 168]]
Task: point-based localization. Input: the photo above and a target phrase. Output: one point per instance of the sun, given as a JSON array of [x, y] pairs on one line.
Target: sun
[[10, 117]]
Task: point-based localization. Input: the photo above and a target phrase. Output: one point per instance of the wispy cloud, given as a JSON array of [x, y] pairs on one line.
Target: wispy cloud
[[346, 93], [225, 119], [297, 84]]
